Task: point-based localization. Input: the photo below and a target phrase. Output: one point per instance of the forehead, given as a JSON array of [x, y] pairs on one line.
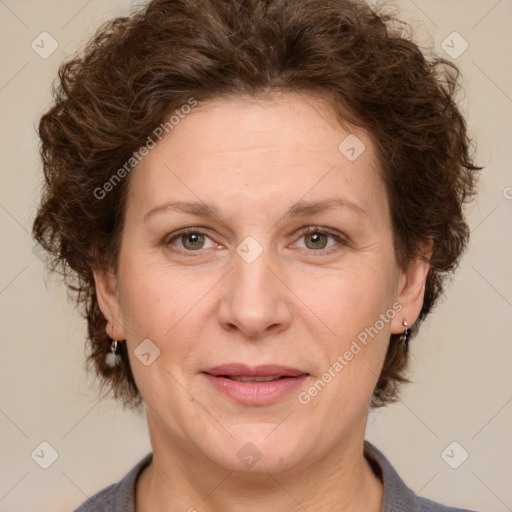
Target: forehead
[[245, 152], [288, 124]]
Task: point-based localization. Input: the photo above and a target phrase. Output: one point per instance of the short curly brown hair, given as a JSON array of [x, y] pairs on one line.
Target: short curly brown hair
[[139, 69]]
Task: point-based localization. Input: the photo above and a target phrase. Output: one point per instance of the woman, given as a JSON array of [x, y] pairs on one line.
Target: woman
[[257, 203]]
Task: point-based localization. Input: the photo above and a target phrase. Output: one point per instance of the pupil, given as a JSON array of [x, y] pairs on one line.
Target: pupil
[[316, 238], [192, 239]]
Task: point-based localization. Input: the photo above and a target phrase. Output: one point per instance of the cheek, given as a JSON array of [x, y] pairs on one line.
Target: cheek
[[355, 310], [348, 300], [153, 297], [158, 306], [166, 307]]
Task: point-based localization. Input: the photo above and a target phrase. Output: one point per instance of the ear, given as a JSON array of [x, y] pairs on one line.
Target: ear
[[411, 289], [106, 291]]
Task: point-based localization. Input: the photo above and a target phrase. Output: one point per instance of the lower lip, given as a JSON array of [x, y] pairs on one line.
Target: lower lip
[[256, 393]]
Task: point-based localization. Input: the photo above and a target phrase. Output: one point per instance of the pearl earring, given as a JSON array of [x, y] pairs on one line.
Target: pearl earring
[[112, 357]]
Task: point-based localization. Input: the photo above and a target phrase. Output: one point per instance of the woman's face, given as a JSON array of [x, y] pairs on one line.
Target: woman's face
[[250, 286]]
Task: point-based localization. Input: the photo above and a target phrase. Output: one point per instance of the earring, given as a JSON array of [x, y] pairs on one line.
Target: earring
[[404, 338], [112, 358]]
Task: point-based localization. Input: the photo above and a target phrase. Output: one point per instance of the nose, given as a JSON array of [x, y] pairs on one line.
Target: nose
[[254, 299]]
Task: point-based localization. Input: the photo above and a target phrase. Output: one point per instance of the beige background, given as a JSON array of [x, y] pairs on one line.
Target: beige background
[[461, 360]]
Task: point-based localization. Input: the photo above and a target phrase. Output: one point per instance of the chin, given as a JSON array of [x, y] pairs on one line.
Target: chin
[[261, 448]]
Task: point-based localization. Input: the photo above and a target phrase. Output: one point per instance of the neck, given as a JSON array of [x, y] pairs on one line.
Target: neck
[[341, 479]]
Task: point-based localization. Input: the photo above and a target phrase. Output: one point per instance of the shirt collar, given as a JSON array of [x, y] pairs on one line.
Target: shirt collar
[[397, 496]]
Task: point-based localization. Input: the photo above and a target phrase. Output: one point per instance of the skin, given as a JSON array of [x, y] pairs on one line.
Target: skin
[[301, 303]]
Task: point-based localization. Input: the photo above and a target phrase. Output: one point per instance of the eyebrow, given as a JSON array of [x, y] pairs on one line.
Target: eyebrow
[[299, 209]]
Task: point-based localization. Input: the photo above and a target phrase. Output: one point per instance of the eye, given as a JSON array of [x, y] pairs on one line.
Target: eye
[[317, 239], [188, 240], [191, 239]]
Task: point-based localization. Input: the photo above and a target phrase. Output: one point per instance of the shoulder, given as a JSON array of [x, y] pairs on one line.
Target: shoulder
[[397, 496], [427, 505], [118, 497], [102, 501]]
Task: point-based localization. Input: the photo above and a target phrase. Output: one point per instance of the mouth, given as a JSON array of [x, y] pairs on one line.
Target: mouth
[[243, 372], [243, 378], [255, 385]]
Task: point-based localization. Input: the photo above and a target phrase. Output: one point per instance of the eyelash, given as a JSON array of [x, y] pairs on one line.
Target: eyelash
[[306, 231]]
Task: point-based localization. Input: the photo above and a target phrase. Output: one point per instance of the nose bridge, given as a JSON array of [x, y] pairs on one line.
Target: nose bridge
[[255, 299], [252, 274]]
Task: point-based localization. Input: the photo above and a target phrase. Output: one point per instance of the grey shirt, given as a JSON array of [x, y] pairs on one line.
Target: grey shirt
[[120, 497]]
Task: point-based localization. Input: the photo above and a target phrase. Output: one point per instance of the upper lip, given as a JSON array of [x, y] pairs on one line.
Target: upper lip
[[264, 370]]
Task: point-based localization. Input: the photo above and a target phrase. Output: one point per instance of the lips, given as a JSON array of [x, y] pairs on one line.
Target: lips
[[244, 372], [258, 385]]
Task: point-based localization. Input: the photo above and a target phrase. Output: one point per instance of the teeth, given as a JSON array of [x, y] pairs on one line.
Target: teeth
[[255, 379]]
